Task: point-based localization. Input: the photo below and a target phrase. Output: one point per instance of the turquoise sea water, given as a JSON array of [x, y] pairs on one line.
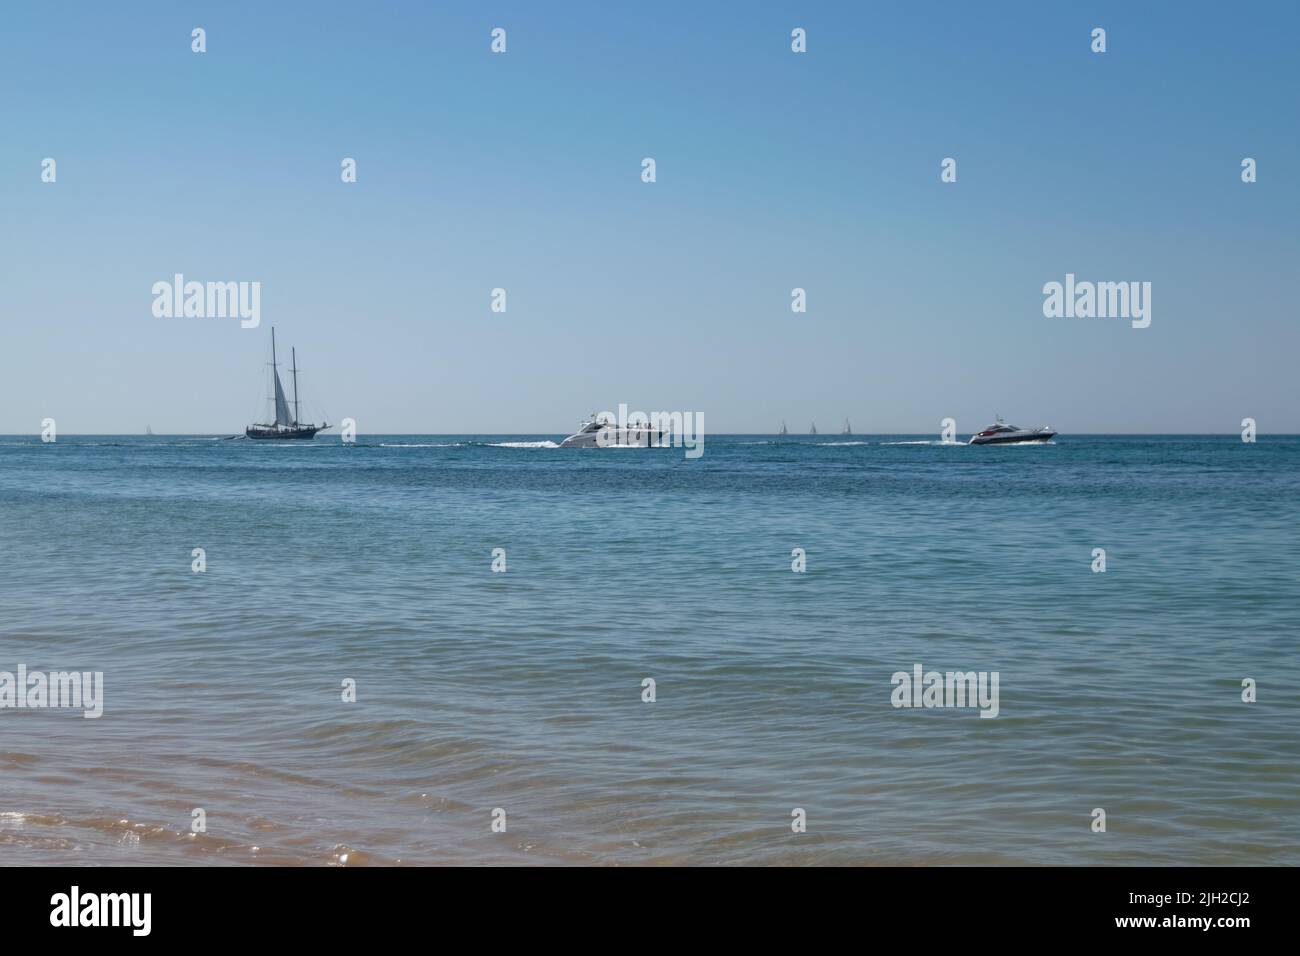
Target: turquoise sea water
[[523, 690]]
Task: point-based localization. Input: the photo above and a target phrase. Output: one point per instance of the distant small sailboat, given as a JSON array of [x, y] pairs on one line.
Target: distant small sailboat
[[848, 429], [784, 430], [148, 429], [813, 430], [285, 425]]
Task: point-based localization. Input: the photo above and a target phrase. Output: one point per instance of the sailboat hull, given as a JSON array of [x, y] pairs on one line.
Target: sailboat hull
[[288, 433]]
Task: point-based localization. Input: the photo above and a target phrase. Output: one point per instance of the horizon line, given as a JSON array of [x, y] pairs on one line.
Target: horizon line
[[1235, 433]]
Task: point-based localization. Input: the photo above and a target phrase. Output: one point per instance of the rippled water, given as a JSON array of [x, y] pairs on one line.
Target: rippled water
[[522, 690]]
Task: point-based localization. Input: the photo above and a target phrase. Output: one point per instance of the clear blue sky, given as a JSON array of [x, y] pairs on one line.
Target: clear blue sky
[[775, 170]]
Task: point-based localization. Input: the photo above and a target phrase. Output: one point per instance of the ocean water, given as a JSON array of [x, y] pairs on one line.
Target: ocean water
[[523, 690]]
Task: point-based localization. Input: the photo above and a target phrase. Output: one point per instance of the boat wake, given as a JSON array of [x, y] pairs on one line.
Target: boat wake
[[522, 444]]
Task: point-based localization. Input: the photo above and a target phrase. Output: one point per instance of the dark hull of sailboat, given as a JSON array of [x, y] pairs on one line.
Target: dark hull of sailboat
[[300, 432]]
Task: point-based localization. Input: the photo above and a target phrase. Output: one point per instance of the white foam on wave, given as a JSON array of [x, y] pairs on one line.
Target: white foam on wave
[[951, 444], [839, 444], [522, 444]]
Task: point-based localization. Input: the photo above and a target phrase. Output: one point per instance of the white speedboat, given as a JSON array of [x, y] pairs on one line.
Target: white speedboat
[[1000, 433], [603, 432]]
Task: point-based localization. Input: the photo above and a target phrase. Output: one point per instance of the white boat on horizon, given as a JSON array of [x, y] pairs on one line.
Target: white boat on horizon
[[1000, 433], [600, 431]]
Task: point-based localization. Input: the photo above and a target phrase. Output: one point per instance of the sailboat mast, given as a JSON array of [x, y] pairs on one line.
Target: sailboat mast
[[275, 374], [296, 416]]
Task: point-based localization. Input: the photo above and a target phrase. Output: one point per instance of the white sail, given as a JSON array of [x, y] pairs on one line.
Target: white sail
[[282, 416]]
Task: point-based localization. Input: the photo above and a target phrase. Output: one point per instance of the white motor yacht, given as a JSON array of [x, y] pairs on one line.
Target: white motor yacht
[[1000, 433], [601, 431]]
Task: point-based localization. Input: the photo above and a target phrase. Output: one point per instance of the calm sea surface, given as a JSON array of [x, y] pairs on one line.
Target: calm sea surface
[[523, 691]]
